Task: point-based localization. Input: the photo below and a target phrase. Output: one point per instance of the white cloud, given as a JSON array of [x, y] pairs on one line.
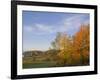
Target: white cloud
[[73, 23], [74, 20], [43, 28], [39, 29], [67, 25]]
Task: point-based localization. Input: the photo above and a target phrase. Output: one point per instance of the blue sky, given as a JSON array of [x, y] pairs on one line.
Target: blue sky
[[40, 28]]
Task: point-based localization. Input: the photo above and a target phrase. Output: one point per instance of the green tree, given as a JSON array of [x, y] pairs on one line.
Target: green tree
[[64, 44], [56, 43]]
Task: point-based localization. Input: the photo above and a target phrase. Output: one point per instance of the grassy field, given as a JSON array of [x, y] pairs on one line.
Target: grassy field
[[39, 64]]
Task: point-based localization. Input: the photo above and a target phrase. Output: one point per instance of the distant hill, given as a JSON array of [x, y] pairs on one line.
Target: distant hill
[[37, 53]]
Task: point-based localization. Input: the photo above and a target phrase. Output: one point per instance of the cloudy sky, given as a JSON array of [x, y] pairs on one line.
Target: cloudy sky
[[40, 28]]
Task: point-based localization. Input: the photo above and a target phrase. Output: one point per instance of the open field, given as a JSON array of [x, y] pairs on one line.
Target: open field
[[39, 65]]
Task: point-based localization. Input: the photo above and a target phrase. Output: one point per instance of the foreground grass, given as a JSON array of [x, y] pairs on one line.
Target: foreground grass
[[39, 64]]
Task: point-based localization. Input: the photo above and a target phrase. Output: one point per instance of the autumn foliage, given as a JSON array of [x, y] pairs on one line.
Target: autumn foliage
[[74, 50]]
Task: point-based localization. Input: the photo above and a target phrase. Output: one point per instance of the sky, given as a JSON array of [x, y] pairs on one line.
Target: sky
[[40, 28]]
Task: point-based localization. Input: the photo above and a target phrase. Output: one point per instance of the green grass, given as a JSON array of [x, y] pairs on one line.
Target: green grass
[[39, 65]]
